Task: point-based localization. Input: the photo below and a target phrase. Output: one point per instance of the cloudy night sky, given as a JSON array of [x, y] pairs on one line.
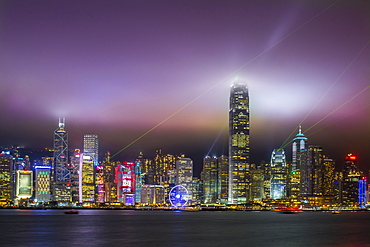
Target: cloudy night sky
[[119, 68]]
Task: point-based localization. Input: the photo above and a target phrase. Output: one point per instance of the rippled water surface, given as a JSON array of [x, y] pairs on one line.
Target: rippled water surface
[[178, 228]]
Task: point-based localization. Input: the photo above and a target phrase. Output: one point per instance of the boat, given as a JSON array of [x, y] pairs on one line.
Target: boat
[[288, 210], [335, 212], [71, 212]]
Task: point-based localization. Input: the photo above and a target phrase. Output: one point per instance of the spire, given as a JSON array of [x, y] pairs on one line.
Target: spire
[[300, 129], [62, 123]]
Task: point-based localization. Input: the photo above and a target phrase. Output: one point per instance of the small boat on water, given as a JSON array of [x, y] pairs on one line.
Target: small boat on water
[[335, 212], [71, 212]]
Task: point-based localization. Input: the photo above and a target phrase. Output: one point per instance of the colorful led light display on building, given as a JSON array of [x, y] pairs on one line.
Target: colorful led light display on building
[[42, 183], [24, 183], [125, 180]]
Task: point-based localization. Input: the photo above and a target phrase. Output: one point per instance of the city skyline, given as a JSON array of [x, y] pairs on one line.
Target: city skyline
[[119, 69]]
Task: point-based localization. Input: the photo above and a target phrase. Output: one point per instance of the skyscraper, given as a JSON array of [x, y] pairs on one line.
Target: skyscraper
[[211, 180], [6, 183], [60, 172], [239, 165], [91, 147], [298, 147], [184, 169], [278, 174]]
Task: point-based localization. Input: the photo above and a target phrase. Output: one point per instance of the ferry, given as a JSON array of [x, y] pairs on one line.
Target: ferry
[[288, 210]]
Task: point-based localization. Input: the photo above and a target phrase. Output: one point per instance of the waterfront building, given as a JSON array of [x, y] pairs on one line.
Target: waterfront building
[[74, 168], [162, 164], [353, 189], [257, 184], [138, 182], [99, 184], [197, 192], [42, 183], [24, 184], [278, 184], [298, 147], [147, 169], [6, 182], [266, 167], [86, 179], [60, 173], [125, 180], [311, 171], [328, 173], [223, 163], [211, 180], [239, 164], [184, 174], [91, 147], [109, 177], [153, 195]]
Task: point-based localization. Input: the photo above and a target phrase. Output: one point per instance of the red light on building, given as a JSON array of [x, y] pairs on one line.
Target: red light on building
[[351, 157]]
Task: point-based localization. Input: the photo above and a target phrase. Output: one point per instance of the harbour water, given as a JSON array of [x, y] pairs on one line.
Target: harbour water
[[180, 228]]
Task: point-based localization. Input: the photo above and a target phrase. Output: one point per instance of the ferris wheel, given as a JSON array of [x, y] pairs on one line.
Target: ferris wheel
[[179, 196]]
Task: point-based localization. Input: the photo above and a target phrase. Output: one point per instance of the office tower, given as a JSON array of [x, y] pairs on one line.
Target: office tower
[[125, 177], [86, 179], [298, 147], [6, 182], [110, 185], [353, 183], [211, 180], [147, 169], [223, 163], [239, 170], [91, 147], [152, 195], [42, 183], [197, 192], [138, 182], [60, 172], [328, 173], [74, 168], [24, 184], [257, 185], [311, 172], [278, 174], [99, 184], [162, 163], [184, 174], [266, 167]]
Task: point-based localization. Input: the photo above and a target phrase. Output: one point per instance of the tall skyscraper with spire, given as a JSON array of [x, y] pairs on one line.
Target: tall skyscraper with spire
[[298, 147], [239, 165], [61, 173]]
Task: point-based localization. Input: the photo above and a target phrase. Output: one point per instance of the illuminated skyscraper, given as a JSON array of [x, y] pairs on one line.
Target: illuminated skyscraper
[[239, 165], [211, 180], [223, 163], [61, 173], [24, 184], [91, 147], [86, 179], [6, 182], [298, 147], [184, 169], [42, 183], [278, 174], [353, 183], [311, 172]]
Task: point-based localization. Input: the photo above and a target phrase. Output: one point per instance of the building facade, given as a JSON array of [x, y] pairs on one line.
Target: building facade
[[279, 172], [239, 164]]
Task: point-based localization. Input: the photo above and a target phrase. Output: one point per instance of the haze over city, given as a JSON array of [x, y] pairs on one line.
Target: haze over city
[[119, 68]]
